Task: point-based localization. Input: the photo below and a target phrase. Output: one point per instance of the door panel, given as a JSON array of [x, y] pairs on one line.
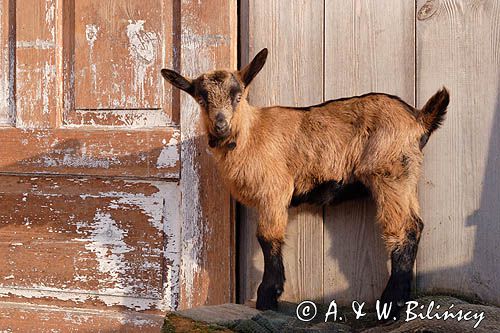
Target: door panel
[[111, 246], [121, 41]]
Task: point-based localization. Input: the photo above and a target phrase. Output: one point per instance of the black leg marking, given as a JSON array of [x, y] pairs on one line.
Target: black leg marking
[[331, 192], [398, 287], [271, 287]]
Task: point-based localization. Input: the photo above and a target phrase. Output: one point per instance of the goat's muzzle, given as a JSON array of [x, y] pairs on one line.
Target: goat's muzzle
[[221, 126]]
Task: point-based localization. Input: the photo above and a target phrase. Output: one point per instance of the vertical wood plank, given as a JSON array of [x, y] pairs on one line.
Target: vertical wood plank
[[208, 41], [293, 75], [6, 114], [36, 63], [65, 76], [369, 46], [458, 45]]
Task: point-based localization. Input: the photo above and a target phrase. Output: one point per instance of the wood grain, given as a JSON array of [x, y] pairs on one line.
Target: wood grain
[[459, 46], [207, 35], [7, 116], [44, 319], [374, 52], [35, 53], [142, 154], [115, 249], [292, 76]]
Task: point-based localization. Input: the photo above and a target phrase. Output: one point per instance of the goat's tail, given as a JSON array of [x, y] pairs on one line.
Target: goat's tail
[[433, 113]]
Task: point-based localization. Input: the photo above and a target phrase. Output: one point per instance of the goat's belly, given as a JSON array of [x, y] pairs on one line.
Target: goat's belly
[[331, 192]]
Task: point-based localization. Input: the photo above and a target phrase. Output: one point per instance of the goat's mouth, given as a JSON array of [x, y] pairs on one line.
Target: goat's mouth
[[221, 132]]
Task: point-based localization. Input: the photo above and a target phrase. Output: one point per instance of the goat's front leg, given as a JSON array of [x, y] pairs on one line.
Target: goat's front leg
[[271, 236]]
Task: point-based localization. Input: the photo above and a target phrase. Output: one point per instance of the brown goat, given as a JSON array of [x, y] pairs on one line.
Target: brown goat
[[274, 157]]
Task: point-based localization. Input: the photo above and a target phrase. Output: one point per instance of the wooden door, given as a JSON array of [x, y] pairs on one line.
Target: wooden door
[[104, 175]]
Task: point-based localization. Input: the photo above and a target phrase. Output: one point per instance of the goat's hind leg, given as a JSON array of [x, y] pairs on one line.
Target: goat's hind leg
[[397, 213], [403, 255], [271, 235]]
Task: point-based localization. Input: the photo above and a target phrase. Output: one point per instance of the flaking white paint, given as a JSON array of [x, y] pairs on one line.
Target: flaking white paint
[[142, 49], [50, 11], [81, 296], [48, 75], [91, 33], [106, 241], [190, 184], [37, 44], [198, 57], [130, 118], [169, 154]]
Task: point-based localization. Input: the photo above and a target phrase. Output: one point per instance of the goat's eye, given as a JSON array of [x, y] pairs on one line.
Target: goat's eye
[[202, 102], [237, 99]]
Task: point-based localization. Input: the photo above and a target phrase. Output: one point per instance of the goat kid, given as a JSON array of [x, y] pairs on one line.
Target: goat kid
[[274, 157]]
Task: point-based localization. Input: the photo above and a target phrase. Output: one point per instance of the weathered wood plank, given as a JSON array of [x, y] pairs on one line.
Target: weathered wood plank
[[356, 261], [35, 78], [148, 153], [458, 45], [292, 76], [207, 34], [303, 254], [18, 317], [369, 46], [84, 240], [7, 113]]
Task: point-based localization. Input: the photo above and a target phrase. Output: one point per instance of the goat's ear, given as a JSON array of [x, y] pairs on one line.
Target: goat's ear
[[253, 68], [178, 80]]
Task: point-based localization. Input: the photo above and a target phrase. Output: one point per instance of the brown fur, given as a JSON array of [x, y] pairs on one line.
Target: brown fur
[[282, 151]]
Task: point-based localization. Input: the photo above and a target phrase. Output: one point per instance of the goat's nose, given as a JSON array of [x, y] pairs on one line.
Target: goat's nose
[[220, 124]]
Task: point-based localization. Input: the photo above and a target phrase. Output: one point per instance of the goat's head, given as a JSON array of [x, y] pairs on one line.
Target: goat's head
[[219, 92]]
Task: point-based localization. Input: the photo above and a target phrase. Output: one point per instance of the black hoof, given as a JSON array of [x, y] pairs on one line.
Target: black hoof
[[267, 297], [396, 294]]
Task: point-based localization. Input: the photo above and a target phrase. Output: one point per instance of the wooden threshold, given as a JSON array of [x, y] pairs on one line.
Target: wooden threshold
[[20, 317]]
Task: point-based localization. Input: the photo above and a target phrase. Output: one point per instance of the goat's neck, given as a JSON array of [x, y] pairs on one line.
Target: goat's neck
[[244, 123], [241, 130]]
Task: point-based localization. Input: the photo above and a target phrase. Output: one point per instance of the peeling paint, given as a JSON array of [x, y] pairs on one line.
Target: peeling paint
[[131, 118], [199, 58], [50, 14], [142, 49], [105, 264], [81, 296], [91, 32], [49, 74], [5, 118], [172, 252], [37, 44], [169, 155]]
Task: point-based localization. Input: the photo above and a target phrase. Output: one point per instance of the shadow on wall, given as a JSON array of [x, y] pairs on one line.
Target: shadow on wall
[[481, 274]]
